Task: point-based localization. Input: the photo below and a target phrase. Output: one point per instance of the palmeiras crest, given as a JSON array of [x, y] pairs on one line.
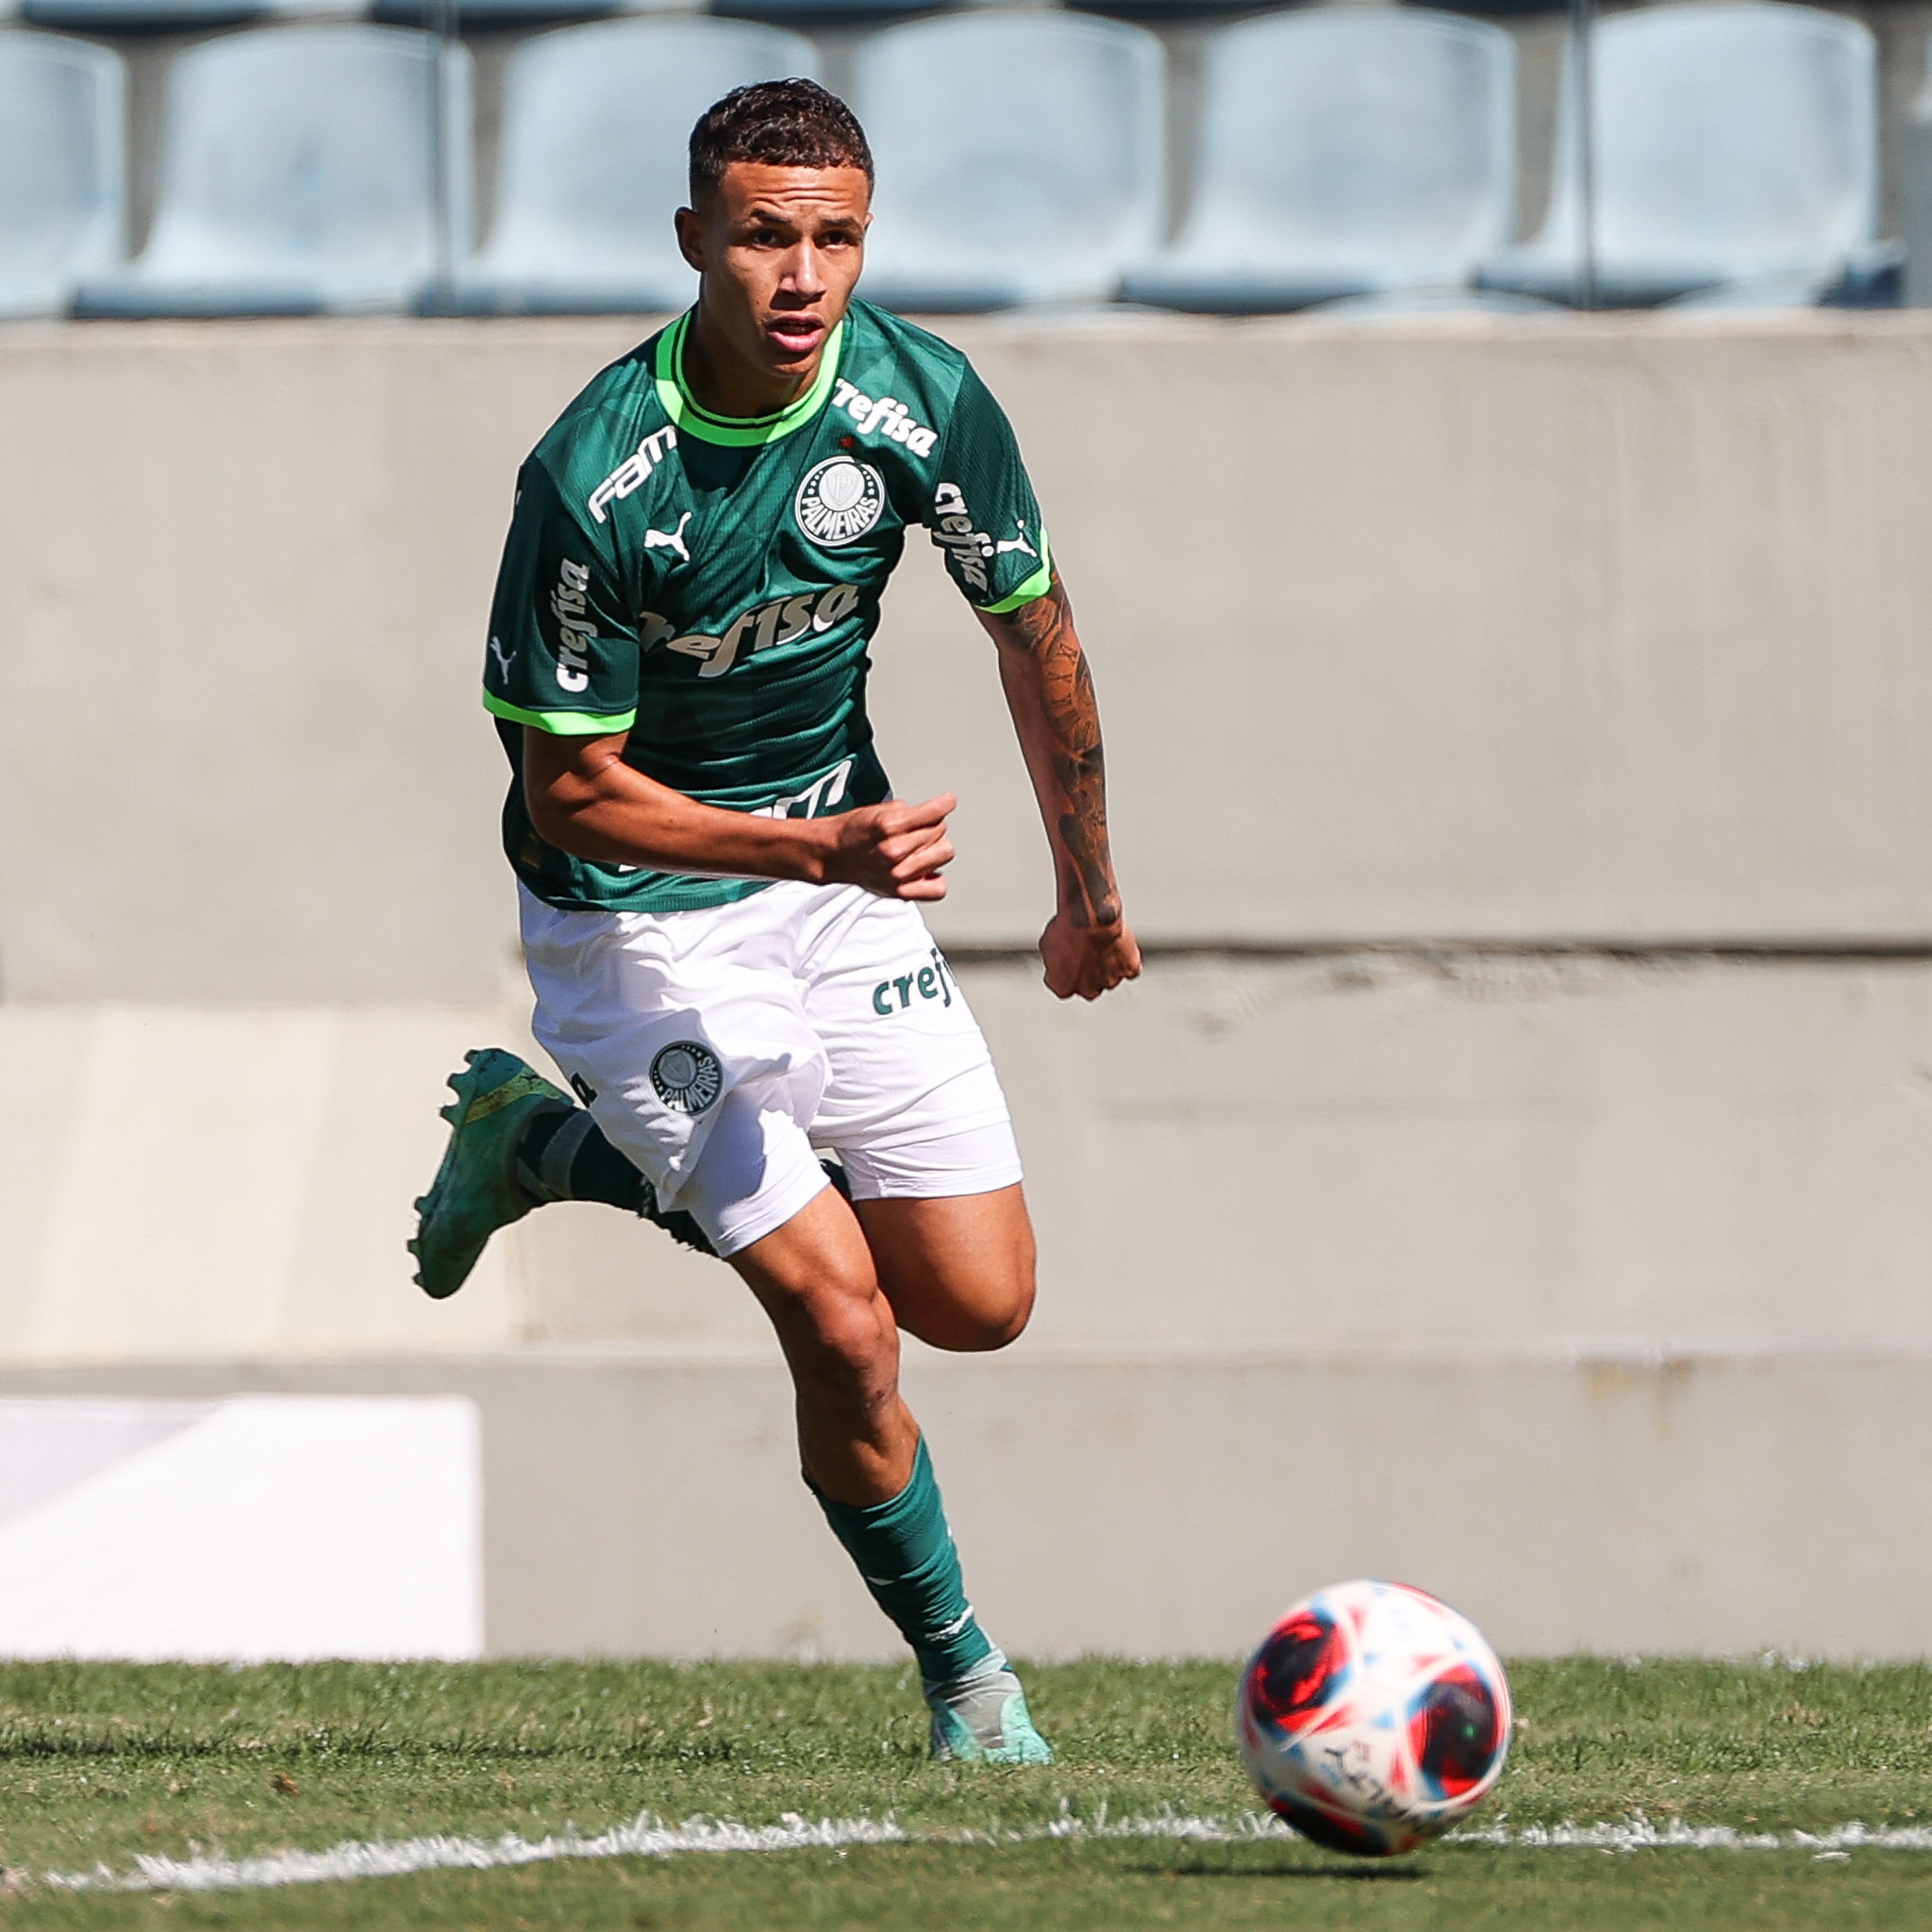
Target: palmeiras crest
[[840, 500], [687, 1077]]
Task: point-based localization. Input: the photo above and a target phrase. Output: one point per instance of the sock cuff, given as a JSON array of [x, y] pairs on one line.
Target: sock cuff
[[554, 1165], [921, 1489]]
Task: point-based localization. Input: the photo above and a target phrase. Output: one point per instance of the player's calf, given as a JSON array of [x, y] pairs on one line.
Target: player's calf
[[869, 1468]]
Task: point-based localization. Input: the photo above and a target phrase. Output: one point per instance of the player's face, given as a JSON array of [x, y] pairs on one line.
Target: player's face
[[779, 249]]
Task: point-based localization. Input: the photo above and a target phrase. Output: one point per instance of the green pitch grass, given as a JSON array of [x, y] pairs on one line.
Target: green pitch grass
[[100, 1763]]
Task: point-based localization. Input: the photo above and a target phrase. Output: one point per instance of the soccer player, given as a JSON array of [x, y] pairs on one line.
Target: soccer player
[[720, 894]]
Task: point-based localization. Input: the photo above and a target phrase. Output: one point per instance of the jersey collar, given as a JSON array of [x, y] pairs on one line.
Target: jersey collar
[[692, 419]]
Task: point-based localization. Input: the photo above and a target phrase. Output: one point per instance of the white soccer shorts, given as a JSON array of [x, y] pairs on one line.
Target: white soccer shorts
[[717, 1048]]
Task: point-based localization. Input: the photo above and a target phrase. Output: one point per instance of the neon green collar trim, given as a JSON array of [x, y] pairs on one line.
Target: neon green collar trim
[[693, 419]]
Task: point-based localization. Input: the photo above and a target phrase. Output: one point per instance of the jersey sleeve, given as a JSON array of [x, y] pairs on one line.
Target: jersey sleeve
[[562, 654], [984, 517]]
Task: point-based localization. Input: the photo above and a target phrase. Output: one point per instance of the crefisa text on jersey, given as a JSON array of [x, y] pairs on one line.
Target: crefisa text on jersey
[[570, 605], [782, 621], [884, 416]]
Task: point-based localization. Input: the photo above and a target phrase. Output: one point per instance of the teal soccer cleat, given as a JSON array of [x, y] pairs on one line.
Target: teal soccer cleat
[[476, 1190], [983, 1720]]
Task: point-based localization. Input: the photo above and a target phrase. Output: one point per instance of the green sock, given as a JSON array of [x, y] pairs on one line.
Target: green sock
[[564, 1156], [904, 1553]]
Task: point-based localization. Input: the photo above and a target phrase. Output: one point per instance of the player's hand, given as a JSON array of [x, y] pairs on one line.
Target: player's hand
[[1086, 960], [894, 850]]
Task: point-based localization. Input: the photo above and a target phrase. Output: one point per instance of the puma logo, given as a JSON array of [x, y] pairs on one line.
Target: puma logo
[[670, 540], [1018, 542], [503, 656]]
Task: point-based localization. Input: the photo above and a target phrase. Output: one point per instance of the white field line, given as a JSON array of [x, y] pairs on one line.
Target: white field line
[[649, 1838]]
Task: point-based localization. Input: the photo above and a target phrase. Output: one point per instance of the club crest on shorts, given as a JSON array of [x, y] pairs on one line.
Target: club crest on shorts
[[687, 1077], [840, 500]]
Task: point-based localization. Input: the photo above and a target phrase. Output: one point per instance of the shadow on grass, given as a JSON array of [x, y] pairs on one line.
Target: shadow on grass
[[1278, 1865]]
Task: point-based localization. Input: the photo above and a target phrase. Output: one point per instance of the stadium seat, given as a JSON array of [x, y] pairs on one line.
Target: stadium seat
[[586, 183], [173, 16], [62, 168], [1344, 151], [1020, 158], [505, 13], [299, 175], [807, 13], [1404, 304], [1734, 143]]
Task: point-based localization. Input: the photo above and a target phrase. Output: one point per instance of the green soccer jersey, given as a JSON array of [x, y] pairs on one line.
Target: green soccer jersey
[[711, 584]]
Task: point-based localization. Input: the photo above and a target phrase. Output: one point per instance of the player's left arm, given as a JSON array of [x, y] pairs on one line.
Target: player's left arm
[[1087, 946]]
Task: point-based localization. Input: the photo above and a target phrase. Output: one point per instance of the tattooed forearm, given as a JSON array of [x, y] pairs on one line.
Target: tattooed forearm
[[1050, 690]]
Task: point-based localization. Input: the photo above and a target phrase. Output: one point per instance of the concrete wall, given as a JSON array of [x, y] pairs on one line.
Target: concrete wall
[[1600, 629], [1516, 741], [648, 1499], [1351, 1154]]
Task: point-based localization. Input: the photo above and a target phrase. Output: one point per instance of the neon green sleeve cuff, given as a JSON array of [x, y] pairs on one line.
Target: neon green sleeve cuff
[[562, 724], [1037, 585]]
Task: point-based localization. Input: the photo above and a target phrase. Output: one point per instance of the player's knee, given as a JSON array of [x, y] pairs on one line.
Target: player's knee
[[845, 1331], [991, 1317], [1007, 1322]]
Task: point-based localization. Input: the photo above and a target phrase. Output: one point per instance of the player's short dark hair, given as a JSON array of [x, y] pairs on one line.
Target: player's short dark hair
[[782, 123]]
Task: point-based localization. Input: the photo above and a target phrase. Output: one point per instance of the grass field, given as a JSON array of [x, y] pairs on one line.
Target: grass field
[[101, 1765]]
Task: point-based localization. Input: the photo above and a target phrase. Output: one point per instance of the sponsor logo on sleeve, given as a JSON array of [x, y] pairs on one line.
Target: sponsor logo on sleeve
[[969, 551], [840, 500], [687, 1077], [634, 471], [570, 605], [884, 416], [783, 621]]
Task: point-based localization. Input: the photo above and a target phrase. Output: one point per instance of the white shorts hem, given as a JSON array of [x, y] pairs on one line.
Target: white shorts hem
[[773, 1210]]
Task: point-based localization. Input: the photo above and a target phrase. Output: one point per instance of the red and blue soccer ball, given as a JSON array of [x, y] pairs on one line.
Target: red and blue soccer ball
[[1373, 1717]]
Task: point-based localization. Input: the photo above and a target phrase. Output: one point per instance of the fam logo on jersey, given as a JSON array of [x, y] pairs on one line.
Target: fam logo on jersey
[[687, 1077], [840, 500], [884, 416], [632, 474]]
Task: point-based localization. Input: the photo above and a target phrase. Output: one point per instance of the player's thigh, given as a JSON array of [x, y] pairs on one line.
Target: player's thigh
[[913, 1107], [669, 1027], [905, 1060], [957, 1269]]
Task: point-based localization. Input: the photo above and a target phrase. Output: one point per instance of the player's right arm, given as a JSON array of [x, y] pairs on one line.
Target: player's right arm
[[563, 664], [585, 800]]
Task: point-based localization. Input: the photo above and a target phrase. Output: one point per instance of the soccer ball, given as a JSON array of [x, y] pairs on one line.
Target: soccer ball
[[1373, 1717]]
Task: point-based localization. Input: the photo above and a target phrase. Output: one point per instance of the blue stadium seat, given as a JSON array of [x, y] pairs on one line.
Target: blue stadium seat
[[62, 168], [591, 159], [299, 175], [1019, 155], [1343, 151], [1734, 143], [1401, 305], [173, 16], [810, 13], [500, 13]]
